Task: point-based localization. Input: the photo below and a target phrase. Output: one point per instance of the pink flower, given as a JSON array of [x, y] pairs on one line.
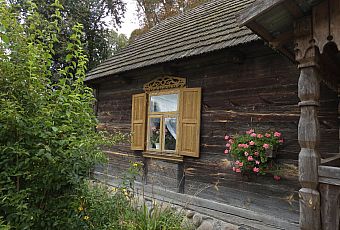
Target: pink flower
[[237, 162], [277, 134], [240, 164], [250, 131], [231, 141], [238, 170], [252, 143], [246, 154], [268, 135], [256, 153], [281, 141], [234, 169], [227, 145], [226, 137], [226, 151], [256, 169], [276, 177], [253, 135], [245, 146], [240, 145], [266, 146], [259, 135], [250, 158], [257, 162]]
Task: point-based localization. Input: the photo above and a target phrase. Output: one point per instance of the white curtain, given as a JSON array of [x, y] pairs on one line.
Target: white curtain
[[171, 126]]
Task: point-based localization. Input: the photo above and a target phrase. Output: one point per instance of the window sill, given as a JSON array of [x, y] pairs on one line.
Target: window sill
[[163, 156]]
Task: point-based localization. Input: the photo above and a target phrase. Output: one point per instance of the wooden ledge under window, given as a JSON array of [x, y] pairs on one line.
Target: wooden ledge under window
[[163, 156]]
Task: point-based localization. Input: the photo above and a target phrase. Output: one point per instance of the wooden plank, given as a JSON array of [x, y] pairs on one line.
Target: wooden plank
[[329, 172], [329, 159], [330, 206], [256, 9], [293, 8]]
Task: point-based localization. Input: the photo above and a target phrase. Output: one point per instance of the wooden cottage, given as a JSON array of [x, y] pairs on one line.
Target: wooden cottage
[[192, 79]]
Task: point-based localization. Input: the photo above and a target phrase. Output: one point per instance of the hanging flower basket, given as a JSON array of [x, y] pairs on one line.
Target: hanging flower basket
[[253, 152]]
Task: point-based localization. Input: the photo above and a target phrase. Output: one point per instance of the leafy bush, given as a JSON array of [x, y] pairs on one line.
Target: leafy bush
[[250, 152], [48, 142]]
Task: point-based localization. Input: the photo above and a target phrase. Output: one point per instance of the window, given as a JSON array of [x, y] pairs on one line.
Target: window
[[166, 122]]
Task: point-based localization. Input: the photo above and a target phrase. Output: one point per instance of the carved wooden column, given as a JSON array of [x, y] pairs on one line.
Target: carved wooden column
[[308, 129]]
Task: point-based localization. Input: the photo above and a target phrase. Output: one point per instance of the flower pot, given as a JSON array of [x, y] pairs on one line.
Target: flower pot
[[270, 153]]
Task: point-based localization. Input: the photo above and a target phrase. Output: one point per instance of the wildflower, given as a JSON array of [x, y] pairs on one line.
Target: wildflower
[[256, 170], [135, 164], [246, 154], [240, 164], [251, 143], [80, 208], [245, 146], [227, 145], [114, 189], [250, 158], [257, 162], [281, 141], [240, 145], [268, 135], [238, 170], [237, 162], [226, 151], [259, 135], [256, 153], [231, 141], [277, 134], [266, 146], [253, 135], [276, 177], [86, 217], [226, 137]]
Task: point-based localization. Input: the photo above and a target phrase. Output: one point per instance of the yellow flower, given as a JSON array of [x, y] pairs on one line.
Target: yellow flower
[[86, 217], [80, 208], [114, 189], [135, 164]]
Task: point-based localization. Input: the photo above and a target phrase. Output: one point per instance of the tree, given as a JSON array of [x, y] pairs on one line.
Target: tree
[[48, 142], [94, 15], [151, 12]]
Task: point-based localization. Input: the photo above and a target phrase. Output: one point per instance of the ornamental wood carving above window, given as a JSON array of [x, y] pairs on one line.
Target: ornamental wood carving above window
[[166, 82]]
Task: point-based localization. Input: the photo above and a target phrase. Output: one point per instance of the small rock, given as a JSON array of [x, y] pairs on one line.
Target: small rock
[[206, 225], [197, 219], [229, 226], [190, 213]]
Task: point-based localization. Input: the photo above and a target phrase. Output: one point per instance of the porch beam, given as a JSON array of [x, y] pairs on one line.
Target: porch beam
[[255, 10], [293, 8]]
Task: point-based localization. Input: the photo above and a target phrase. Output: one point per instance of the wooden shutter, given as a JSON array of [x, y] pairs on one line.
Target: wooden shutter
[[138, 121], [190, 114]]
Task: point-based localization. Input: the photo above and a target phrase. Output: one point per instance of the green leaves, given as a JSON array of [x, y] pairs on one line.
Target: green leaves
[[48, 142]]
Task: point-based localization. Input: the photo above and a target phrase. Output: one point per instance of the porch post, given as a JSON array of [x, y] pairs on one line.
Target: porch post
[[309, 157], [306, 54]]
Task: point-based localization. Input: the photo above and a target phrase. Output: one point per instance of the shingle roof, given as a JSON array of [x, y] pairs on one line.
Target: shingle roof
[[211, 26]]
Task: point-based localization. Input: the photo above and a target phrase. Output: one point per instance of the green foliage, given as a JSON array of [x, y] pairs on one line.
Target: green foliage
[[48, 142], [99, 207], [96, 16]]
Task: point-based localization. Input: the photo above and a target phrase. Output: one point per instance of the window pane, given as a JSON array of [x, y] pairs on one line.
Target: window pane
[[154, 133], [164, 103], [170, 133]]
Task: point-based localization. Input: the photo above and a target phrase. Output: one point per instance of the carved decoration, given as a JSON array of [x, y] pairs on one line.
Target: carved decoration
[[166, 82]]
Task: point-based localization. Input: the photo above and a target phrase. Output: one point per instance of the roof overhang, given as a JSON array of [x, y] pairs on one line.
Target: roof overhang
[[273, 20]]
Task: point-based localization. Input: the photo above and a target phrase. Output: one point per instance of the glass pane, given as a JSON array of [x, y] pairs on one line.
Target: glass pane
[[154, 133], [170, 127], [164, 103]]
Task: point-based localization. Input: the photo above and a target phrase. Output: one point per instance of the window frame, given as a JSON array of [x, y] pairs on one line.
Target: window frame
[[162, 116]]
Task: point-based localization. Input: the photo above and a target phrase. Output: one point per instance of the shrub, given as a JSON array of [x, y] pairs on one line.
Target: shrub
[[48, 142]]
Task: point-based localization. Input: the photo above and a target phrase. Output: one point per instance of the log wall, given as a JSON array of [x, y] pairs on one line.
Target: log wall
[[244, 87]]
